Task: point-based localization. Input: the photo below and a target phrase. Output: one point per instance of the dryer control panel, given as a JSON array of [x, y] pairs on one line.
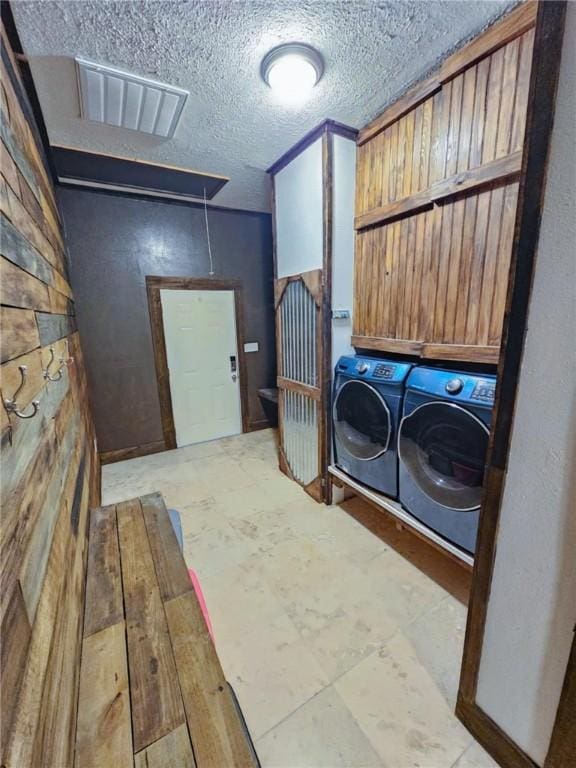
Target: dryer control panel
[[484, 391], [457, 386]]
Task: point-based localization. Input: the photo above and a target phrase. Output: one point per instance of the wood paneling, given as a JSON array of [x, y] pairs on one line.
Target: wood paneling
[[436, 195], [48, 462]]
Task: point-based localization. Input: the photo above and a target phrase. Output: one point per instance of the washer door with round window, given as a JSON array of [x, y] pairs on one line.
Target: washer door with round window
[[443, 447], [363, 436], [361, 421]]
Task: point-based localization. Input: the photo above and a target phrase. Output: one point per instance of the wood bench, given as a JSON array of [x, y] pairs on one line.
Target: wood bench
[[152, 691]]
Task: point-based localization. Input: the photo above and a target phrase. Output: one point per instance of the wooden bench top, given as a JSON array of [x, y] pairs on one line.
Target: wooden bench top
[[152, 691]]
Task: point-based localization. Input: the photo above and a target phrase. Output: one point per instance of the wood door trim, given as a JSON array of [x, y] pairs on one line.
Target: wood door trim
[[324, 490], [326, 127], [491, 736], [500, 171], [516, 23], [562, 750], [314, 393], [134, 451], [540, 117], [154, 284]]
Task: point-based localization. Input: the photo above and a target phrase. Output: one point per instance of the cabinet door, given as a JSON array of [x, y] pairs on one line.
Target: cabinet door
[[436, 199]]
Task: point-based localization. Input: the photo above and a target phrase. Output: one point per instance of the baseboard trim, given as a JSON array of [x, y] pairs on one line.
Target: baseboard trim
[[254, 426], [491, 736], [122, 454]]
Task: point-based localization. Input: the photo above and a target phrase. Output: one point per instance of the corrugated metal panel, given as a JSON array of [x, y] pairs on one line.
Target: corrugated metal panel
[[298, 325], [300, 430]]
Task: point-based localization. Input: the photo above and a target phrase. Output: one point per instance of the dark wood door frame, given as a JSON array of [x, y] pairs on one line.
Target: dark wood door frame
[[154, 284], [541, 104]]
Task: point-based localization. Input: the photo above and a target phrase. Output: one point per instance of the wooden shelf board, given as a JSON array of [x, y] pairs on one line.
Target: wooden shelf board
[[501, 170], [396, 510], [473, 353]]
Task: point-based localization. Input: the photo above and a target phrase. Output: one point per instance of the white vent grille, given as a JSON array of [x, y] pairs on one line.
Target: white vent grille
[[118, 98]]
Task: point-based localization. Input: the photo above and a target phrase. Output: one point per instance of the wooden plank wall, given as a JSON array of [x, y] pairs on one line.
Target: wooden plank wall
[[50, 471], [436, 193]]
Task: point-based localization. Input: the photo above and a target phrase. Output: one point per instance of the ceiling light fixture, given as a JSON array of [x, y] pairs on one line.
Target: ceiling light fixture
[[292, 70]]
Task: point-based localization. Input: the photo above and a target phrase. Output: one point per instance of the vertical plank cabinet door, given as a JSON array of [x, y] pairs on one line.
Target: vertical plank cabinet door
[[299, 340], [436, 194]]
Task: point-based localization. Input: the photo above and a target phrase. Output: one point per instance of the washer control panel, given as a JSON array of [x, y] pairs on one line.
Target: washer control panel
[[484, 391], [373, 369], [454, 386], [384, 371]]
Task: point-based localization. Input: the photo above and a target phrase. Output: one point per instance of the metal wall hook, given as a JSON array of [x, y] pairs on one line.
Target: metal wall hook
[[58, 375], [12, 405]]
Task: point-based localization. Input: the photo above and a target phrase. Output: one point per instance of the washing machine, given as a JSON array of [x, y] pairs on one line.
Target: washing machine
[[442, 446], [366, 412]]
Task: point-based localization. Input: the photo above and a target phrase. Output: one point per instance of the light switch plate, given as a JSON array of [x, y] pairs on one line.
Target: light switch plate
[[251, 346], [341, 314]]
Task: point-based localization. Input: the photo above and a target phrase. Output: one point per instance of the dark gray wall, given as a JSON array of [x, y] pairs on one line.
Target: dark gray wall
[[115, 241]]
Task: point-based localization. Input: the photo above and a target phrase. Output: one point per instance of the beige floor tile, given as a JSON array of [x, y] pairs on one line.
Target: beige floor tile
[[244, 502], [216, 549], [301, 594], [320, 734], [296, 570], [238, 602], [222, 473], [343, 536], [200, 516], [397, 587], [437, 636], [259, 468], [266, 529], [183, 493], [476, 757], [272, 673], [282, 489], [400, 709]]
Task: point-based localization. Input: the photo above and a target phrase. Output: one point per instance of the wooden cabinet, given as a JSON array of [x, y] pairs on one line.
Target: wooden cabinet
[[436, 193]]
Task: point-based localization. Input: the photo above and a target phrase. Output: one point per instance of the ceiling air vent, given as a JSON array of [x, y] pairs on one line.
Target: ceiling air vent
[[110, 96]]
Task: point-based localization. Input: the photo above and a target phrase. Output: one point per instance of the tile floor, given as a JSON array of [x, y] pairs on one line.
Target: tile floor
[[341, 635]]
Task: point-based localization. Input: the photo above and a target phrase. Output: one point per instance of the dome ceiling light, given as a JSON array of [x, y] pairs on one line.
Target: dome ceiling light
[[292, 70]]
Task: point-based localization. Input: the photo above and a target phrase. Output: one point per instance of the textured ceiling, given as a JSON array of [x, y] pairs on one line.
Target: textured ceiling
[[231, 124]]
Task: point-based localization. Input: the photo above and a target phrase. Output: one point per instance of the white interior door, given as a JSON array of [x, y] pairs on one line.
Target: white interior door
[[202, 352]]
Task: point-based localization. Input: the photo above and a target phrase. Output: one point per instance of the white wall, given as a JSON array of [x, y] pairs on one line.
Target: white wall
[[344, 181], [298, 198], [532, 605]]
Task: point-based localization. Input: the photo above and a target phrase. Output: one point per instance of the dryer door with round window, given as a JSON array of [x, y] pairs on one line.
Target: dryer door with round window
[[443, 446], [362, 423]]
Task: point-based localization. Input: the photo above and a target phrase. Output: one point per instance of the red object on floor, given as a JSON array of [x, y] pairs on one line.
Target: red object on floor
[[200, 596]]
